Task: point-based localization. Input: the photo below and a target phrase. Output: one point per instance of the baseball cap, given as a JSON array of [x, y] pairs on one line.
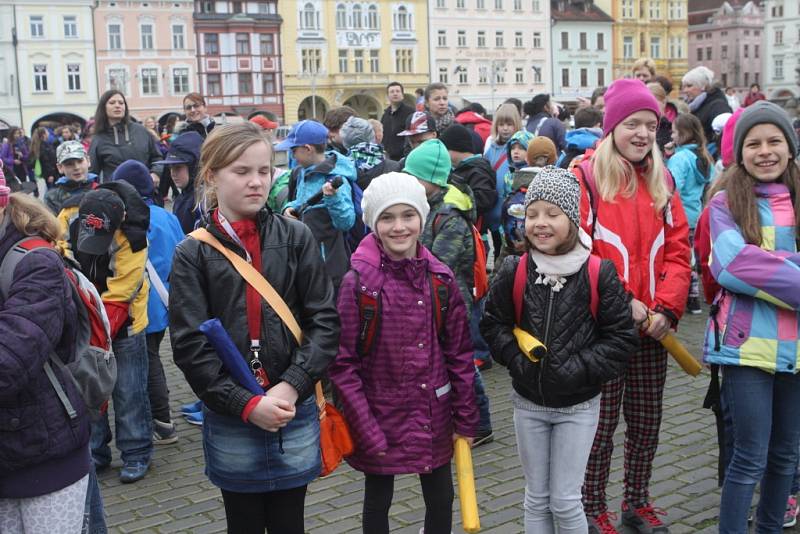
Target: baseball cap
[[184, 150], [305, 132], [264, 122], [100, 215], [419, 122], [70, 150]]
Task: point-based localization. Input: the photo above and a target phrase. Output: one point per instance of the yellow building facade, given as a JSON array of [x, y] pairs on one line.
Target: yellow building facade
[[658, 29], [345, 53]]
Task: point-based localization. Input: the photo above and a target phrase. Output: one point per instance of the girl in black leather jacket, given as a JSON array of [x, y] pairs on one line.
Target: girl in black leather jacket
[[557, 398], [260, 450]]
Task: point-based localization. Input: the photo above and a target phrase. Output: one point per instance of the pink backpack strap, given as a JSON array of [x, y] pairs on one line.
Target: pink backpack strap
[[520, 278], [594, 277]]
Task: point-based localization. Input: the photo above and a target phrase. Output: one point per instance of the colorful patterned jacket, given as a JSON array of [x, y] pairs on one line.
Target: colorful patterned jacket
[[756, 324]]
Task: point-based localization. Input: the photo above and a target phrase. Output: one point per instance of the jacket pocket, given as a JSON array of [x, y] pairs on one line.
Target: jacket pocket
[[739, 321], [23, 433]]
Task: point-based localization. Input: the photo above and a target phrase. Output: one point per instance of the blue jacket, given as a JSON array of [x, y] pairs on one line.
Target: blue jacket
[[41, 450], [690, 182], [339, 206], [163, 236], [578, 141], [493, 154]]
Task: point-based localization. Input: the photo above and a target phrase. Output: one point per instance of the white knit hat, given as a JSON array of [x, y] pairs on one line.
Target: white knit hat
[[390, 189]]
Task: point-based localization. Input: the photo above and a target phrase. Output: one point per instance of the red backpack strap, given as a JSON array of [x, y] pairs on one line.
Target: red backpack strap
[[518, 294], [594, 277], [31, 243], [499, 163], [441, 302], [369, 317]]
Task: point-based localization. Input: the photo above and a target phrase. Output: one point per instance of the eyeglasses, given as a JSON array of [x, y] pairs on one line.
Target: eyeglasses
[[190, 107]]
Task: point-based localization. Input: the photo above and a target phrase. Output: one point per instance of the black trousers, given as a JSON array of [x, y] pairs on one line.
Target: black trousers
[[156, 379], [437, 491], [279, 512]]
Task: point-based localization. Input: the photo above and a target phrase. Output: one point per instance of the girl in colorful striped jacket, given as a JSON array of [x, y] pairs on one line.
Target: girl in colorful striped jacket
[[753, 336]]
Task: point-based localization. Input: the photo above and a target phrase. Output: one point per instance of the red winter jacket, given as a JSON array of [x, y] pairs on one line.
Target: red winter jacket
[[480, 125], [649, 248]]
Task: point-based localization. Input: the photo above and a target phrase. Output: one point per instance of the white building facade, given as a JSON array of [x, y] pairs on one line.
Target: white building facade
[[55, 54], [582, 49], [781, 49], [9, 94], [489, 50]]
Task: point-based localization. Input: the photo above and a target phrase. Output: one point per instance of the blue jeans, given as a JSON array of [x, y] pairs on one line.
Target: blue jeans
[[554, 446], [485, 421], [478, 343], [766, 433], [94, 516], [132, 418]]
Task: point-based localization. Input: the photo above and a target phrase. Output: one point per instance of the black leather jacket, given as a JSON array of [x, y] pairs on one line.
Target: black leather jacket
[[204, 285], [582, 354]]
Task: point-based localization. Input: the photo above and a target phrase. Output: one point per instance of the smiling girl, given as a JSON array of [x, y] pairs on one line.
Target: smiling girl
[[755, 224], [635, 220], [260, 450], [409, 395], [556, 399]]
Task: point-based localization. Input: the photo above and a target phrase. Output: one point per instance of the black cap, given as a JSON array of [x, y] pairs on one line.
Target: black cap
[[100, 215]]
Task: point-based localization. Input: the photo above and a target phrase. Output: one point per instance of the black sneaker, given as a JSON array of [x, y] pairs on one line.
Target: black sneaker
[[693, 306], [643, 520], [483, 438], [164, 433]]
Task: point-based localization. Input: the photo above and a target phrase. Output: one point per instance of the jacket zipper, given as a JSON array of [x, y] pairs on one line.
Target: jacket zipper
[[548, 319]]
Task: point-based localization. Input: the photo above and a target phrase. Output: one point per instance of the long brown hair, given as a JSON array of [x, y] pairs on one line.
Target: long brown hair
[[690, 130], [39, 137], [223, 146], [32, 218], [742, 202]]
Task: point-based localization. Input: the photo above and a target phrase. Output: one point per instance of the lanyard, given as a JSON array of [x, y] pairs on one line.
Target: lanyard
[[253, 306]]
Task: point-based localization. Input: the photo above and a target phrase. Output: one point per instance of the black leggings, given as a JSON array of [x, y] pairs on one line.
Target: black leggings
[[280, 512], [437, 490]]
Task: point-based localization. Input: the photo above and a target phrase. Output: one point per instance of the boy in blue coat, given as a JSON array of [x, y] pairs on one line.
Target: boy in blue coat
[[163, 236]]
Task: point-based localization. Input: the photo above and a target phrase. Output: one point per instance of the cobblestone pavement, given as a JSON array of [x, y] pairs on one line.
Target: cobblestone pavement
[[176, 496]]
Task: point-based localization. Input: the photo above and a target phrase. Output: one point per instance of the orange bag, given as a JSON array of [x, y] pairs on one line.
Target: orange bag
[[335, 442]]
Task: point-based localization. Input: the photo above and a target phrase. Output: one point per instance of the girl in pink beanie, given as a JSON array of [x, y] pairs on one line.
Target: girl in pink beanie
[[629, 209]]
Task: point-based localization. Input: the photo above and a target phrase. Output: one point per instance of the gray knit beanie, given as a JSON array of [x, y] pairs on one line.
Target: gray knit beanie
[[557, 186], [763, 112], [355, 131]]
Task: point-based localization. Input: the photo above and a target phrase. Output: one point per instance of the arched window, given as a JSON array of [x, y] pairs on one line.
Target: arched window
[[309, 17], [341, 17], [372, 17], [357, 24], [402, 19]]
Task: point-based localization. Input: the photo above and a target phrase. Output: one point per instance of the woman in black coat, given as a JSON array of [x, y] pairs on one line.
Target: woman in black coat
[[706, 101]]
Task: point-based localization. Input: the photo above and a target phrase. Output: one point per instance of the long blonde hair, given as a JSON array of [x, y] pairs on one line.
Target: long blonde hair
[[506, 113], [223, 146], [616, 175], [31, 218]]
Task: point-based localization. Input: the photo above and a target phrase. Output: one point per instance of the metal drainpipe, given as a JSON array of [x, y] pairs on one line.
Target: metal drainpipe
[[15, 42], [94, 47]]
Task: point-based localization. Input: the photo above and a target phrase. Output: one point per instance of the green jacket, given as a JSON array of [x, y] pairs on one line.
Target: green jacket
[[448, 234]]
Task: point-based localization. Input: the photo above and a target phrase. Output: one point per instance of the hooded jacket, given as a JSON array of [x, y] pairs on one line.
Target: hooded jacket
[[64, 189], [411, 392], [448, 234], [756, 324], [41, 450], [690, 180], [522, 138], [121, 142], [478, 174], [332, 217], [291, 263], [578, 142], [478, 124], [582, 353]]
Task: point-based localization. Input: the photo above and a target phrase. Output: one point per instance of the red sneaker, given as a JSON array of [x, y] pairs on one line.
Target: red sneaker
[[602, 524], [644, 520]]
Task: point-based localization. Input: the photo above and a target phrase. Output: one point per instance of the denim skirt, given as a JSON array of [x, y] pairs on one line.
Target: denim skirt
[[243, 458]]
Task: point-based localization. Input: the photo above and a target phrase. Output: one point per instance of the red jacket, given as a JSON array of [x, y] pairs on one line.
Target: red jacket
[[649, 248], [481, 125]]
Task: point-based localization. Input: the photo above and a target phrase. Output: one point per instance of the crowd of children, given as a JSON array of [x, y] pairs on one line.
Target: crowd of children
[[368, 274]]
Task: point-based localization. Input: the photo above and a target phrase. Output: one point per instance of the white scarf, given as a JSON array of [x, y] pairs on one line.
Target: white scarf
[[553, 270]]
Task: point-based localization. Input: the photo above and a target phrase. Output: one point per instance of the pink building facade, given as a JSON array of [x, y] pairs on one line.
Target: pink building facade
[[147, 50], [729, 40]]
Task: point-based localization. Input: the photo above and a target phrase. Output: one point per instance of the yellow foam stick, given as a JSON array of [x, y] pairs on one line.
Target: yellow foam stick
[[681, 355], [470, 521], [529, 345]]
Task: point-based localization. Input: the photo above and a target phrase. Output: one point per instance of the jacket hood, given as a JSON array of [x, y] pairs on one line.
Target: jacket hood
[[370, 252], [474, 162], [338, 165], [583, 138], [470, 117], [90, 177], [459, 197], [522, 138]]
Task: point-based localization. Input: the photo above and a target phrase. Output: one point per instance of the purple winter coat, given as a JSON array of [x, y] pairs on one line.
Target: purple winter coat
[[408, 396], [41, 449], [7, 156]]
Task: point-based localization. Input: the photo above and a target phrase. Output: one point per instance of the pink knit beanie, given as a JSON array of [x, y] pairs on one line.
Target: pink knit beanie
[[625, 97], [726, 142]]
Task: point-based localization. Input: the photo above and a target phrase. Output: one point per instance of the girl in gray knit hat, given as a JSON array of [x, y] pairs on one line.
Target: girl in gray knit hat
[[575, 305]]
